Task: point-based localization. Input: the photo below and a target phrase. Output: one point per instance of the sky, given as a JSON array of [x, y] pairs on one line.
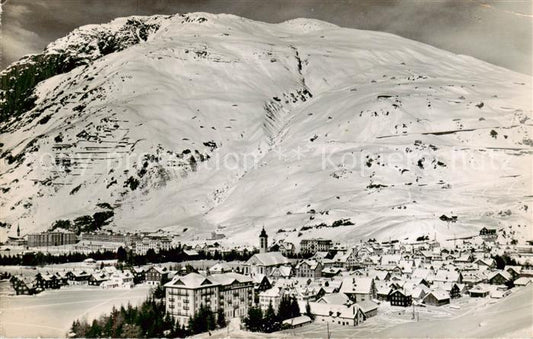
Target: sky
[[497, 31]]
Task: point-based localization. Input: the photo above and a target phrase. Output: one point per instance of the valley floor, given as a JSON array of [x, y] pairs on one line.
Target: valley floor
[[51, 313]]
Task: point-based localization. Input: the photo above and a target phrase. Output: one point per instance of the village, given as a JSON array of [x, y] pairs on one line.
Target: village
[[332, 284]]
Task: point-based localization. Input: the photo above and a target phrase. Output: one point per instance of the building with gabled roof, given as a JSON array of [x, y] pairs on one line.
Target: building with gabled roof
[[437, 298], [499, 278], [337, 314], [400, 297], [220, 267], [335, 298], [309, 269], [264, 263], [358, 288], [369, 308]]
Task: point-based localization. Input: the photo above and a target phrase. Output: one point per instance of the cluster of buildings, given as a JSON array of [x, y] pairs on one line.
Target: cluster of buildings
[[91, 275], [339, 284], [139, 243], [345, 285]]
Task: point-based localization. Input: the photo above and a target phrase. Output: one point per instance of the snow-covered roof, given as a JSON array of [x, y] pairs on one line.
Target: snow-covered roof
[[334, 298], [303, 319], [356, 285], [335, 311], [191, 280], [367, 306], [504, 274], [229, 278], [220, 267], [272, 292], [438, 294], [268, 259], [523, 281]]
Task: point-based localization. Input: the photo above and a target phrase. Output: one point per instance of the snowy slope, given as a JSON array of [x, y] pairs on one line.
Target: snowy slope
[[217, 121]]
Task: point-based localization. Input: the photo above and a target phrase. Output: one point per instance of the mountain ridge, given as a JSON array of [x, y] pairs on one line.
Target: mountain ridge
[[141, 129]]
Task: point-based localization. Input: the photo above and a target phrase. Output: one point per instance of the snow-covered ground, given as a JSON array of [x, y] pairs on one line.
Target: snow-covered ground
[[476, 318], [219, 121], [51, 313]]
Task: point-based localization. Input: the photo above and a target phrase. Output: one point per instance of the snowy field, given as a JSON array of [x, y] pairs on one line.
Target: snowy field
[[51, 313]]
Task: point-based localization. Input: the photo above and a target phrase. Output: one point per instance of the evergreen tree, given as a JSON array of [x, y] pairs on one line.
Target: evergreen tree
[[221, 318], [295, 308], [254, 319], [308, 311], [284, 309], [270, 322], [121, 254]]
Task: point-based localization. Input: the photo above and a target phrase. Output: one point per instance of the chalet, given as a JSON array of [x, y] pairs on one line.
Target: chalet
[[139, 274], [286, 248], [96, 279], [309, 269], [261, 283], [46, 281], [419, 292], [282, 272], [335, 299], [156, 275], [220, 267], [369, 308], [330, 272], [394, 270], [464, 258], [513, 270], [78, 277], [383, 293], [448, 276], [421, 273], [24, 285], [472, 278], [379, 275], [454, 290], [337, 314], [487, 263], [358, 289], [62, 278], [499, 278], [400, 298], [437, 298], [119, 279], [479, 291], [332, 286], [340, 260]]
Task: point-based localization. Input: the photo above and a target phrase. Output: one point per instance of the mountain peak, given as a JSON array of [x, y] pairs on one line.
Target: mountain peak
[[191, 122]]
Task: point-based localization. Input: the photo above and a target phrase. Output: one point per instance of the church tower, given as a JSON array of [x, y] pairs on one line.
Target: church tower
[[263, 241]]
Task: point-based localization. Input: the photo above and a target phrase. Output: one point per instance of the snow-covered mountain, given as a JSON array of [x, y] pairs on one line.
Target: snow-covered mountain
[[197, 122]]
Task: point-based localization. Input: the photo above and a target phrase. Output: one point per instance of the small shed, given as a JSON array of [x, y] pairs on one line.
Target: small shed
[[297, 321]]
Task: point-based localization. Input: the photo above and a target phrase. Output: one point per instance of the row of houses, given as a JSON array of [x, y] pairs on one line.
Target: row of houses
[[105, 277]]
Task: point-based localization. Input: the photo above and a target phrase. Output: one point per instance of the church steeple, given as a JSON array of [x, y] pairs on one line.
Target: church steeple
[[263, 241]]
